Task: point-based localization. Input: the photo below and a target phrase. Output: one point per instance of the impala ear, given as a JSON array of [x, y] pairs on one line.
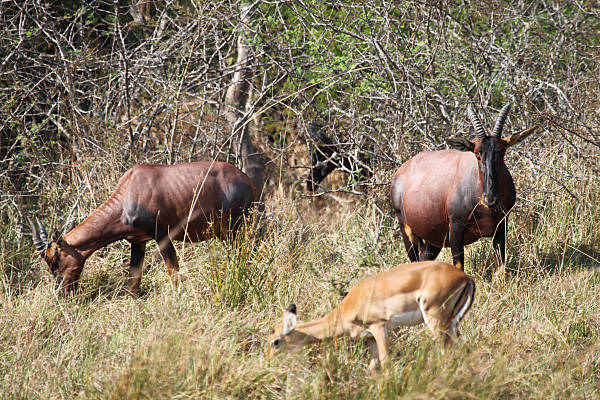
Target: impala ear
[[517, 137], [461, 144], [289, 319]]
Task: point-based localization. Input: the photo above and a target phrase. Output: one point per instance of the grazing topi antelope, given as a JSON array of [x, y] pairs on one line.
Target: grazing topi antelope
[[191, 201], [450, 198], [433, 292]]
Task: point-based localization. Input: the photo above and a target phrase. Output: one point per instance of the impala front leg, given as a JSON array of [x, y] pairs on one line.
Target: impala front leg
[[457, 231], [380, 335], [374, 353]]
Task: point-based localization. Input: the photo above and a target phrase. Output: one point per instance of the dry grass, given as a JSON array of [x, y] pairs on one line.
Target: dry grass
[[533, 335]]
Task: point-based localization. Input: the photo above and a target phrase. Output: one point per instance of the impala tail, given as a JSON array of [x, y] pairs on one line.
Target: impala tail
[[463, 304]]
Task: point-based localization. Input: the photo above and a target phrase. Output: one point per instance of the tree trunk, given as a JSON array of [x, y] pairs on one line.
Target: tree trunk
[[236, 99]]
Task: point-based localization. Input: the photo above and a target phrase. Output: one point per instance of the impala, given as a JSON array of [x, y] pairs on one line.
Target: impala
[[189, 201], [433, 292]]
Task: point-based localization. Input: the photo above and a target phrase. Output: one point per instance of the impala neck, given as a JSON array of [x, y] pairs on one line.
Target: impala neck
[[102, 227], [319, 329]]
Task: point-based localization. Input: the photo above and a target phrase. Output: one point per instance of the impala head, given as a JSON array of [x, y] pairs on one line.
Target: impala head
[[489, 150], [281, 336], [64, 262]]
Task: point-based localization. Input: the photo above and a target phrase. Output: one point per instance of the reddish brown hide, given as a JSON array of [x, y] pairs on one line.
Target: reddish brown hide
[[195, 201], [451, 198]]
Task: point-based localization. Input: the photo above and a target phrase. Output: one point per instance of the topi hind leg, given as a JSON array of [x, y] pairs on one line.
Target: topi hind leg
[[429, 252], [169, 255]]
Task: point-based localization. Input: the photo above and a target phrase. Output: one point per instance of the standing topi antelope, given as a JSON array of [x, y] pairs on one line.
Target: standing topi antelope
[[432, 292], [195, 201], [454, 197]]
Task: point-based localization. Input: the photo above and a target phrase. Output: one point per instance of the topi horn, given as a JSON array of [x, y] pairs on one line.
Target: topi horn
[[43, 234], [500, 121], [476, 122], [40, 238]]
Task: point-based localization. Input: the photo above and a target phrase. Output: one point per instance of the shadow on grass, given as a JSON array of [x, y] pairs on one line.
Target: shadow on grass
[[567, 257], [113, 284], [102, 285], [562, 258]]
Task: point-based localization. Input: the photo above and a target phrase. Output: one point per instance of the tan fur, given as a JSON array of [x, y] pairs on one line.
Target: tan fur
[[437, 290]]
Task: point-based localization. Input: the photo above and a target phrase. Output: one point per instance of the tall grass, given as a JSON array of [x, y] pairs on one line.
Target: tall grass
[[534, 334]]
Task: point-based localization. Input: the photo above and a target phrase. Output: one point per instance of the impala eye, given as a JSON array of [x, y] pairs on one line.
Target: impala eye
[[275, 343]]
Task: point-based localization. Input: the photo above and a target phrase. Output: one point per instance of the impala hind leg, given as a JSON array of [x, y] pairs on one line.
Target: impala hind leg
[[138, 250], [443, 317], [412, 242], [439, 327]]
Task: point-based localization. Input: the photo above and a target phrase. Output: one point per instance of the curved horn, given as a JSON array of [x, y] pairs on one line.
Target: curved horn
[[476, 122], [500, 121], [43, 234], [37, 240]]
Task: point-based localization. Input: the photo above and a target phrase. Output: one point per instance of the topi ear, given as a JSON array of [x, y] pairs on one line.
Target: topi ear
[[69, 226], [517, 137], [289, 319], [461, 144]]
